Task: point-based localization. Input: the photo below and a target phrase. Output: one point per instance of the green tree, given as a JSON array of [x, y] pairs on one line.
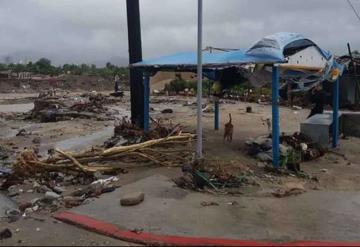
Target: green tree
[[356, 53], [43, 66], [3, 67]]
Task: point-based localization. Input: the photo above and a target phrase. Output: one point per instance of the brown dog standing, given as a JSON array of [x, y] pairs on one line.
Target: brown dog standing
[[229, 130]]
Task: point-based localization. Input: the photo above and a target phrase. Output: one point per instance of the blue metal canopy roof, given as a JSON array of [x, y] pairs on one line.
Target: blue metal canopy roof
[[269, 50], [189, 60]]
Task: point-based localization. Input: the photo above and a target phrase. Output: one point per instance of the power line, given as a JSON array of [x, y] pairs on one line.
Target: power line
[[353, 8]]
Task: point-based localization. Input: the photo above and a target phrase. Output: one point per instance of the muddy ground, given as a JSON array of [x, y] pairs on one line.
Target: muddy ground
[[332, 172]]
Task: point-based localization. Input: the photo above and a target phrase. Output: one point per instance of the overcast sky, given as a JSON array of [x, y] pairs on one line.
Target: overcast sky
[[96, 31]]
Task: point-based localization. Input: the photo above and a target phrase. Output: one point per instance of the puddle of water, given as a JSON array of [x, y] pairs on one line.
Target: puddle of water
[[19, 108], [17, 95], [5, 204], [7, 132], [85, 142]]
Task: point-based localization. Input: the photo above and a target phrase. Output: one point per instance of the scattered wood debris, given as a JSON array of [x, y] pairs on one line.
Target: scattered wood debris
[[126, 133], [28, 164], [49, 107]]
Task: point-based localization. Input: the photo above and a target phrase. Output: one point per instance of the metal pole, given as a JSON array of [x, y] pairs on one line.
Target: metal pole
[[199, 146], [146, 82], [135, 55], [335, 131], [275, 117], [217, 118]]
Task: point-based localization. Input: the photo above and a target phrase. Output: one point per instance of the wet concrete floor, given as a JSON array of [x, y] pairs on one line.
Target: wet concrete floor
[[18, 108], [315, 215]]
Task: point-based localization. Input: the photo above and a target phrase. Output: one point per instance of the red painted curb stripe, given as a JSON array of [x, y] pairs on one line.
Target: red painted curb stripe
[[145, 238]]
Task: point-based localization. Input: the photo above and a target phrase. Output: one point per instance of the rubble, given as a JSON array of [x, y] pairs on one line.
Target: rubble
[[167, 111], [13, 191], [36, 140], [53, 201], [89, 168], [72, 201], [206, 176], [49, 108], [4, 153], [51, 196], [264, 156], [13, 215], [289, 189], [82, 164], [132, 199], [22, 132], [208, 109], [293, 149], [208, 204], [126, 133], [6, 233]]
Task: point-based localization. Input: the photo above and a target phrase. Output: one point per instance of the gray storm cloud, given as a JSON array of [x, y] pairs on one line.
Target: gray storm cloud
[[95, 31]]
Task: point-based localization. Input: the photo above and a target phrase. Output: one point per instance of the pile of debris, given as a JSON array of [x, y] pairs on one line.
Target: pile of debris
[[5, 161], [51, 108], [293, 149], [52, 194], [205, 176], [159, 151], [93, 172], [94, 104], [258, 95], [127, 133]]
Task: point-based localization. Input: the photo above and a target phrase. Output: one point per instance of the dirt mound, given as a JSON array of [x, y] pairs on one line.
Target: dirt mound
[[66, 82], [161, 78]]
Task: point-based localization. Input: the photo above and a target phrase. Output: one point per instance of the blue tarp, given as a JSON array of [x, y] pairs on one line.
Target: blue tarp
[[276, 44], [269, 50]]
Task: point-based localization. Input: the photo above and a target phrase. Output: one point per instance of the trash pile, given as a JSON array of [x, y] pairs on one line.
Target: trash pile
[[293, 149], [51, 108], [127, 133], [54, 193], [205, 176]]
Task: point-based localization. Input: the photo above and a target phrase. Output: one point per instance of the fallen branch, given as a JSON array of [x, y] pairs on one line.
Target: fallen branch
[[117, 150], [154, 151], [77, 163]]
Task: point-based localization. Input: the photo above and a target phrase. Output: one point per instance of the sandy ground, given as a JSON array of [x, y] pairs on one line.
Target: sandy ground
[[335, 173]]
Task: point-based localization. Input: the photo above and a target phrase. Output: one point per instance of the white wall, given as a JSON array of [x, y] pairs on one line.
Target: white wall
[[310, 57]]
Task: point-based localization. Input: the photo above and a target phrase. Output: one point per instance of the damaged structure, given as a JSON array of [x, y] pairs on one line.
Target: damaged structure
[[286, 54], [80, 158]]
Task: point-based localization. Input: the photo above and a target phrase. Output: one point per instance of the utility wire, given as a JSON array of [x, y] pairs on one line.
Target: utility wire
[[353, 8]]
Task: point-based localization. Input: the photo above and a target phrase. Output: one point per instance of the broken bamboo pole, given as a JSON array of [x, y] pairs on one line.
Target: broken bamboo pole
[[117, 150]]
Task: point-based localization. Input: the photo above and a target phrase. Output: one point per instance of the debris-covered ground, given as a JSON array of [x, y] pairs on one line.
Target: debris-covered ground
[[65, 150]]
